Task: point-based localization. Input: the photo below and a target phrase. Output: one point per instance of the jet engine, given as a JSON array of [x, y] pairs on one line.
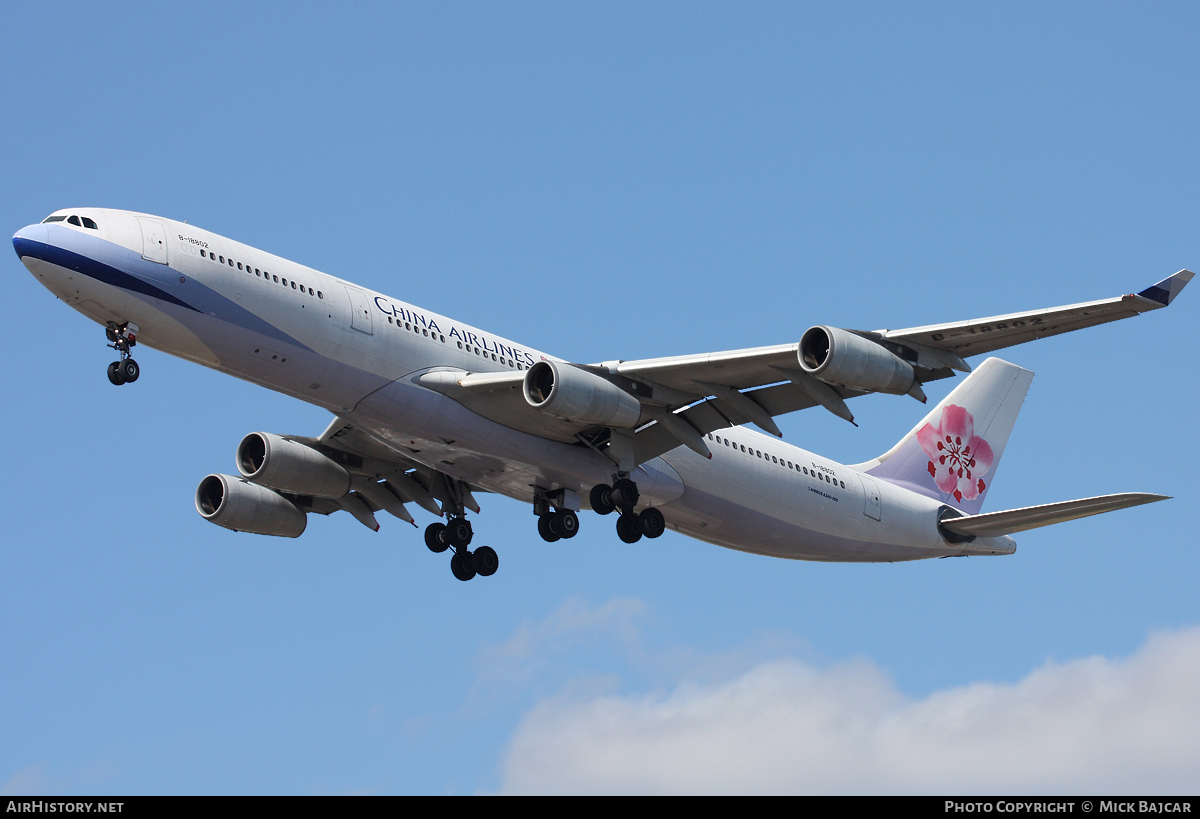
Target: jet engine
[[273, 461], [838, 356], [574, 394], [242, 506]]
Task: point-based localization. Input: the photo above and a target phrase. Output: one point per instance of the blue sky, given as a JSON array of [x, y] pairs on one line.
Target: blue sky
[[616, 181]]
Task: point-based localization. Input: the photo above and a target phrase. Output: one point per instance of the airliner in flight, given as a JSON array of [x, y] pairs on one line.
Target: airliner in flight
[[429, 412]]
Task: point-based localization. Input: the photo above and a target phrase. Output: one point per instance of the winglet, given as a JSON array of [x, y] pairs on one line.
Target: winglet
[[1165, 291]]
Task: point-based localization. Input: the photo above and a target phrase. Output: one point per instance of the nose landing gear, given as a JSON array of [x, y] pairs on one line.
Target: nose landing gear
[[121, 337]]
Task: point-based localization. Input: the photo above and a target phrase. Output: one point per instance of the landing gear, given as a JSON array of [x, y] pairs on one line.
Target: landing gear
[[462, 565], [485, 560], [459, 533], [652, 523], [629, 527], [435, 538], [602, 499], [624, 495], [121, 338], [561, 524]]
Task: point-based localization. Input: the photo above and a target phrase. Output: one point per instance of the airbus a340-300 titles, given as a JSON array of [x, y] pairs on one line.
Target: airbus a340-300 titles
[[429, 411]]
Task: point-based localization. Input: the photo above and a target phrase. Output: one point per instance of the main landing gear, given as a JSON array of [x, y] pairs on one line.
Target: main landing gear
[[559, 523], [623, 495], [121, 337], [457, 535]]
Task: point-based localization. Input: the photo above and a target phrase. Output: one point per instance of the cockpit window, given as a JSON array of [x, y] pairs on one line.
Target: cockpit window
[[74, 220], [53, 219], [88, 223]]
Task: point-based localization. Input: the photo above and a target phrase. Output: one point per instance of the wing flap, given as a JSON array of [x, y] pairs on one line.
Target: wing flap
[[994, 524]]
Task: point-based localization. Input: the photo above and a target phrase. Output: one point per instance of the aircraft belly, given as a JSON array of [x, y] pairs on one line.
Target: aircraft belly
[[754, 505], [433, 429]]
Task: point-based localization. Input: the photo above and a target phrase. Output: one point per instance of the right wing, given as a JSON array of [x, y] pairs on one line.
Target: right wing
[[683, 398]]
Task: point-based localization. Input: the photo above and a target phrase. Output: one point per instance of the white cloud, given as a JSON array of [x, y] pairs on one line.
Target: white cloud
[[1093, 725]]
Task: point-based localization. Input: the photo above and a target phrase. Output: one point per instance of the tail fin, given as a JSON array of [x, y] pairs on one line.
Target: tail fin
[[953, 454]]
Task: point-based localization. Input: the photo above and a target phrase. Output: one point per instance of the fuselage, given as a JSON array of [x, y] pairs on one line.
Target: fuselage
[[362, 356]]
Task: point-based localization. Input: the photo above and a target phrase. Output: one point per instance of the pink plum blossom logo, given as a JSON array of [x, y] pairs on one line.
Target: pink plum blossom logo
[[958, 458]]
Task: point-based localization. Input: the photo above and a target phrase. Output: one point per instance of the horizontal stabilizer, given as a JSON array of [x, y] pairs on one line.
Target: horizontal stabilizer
[[994, 524]]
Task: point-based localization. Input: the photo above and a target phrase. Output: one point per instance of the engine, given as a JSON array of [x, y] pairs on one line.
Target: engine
[[576, 395], [242, 506], [273, 461], [838, 356]]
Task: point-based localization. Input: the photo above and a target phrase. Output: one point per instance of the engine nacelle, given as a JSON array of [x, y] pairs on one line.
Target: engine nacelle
[[273, 461], [838, 356], [577, 395], [242, 506]]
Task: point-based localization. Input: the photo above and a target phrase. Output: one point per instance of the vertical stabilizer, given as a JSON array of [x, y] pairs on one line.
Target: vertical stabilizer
[[953, 454]]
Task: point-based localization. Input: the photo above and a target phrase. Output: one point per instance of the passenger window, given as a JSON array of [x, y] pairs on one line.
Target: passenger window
[[203, 254], [222, 258], [460, 345], [239, 265], [319, 295], [285, 282], [74, 220], [88, 223], [310, 291], [293, 285], [276, 279], [231, 262]]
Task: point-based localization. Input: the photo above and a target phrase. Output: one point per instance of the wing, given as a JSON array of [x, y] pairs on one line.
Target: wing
[[716, 390], [966, 338]]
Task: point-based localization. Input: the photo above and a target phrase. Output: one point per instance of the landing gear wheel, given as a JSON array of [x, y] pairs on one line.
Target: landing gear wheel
[[652, 522], [602, 499], [485, 561], [564, 523], [625, 495], [435, 537], [459, 533], [114, 373], [129, 370], [462, 565], [629, 528], [544, 528]]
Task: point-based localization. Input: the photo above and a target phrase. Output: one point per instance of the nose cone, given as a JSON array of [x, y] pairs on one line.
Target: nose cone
[[28, 241]]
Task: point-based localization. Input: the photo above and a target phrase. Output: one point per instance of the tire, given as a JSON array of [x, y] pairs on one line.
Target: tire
[[130, 370], [462, 566], [652, 522], [564, 523], [544, 528], [114, 373], [602, 499], [485, 560], [435, 537], [458, 533], [625, 494], [629, 528]]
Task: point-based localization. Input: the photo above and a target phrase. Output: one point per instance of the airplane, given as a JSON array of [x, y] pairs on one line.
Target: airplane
[[429, 411]]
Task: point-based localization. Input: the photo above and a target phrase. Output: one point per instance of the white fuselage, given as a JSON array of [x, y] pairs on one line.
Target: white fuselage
[[360, 354]]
